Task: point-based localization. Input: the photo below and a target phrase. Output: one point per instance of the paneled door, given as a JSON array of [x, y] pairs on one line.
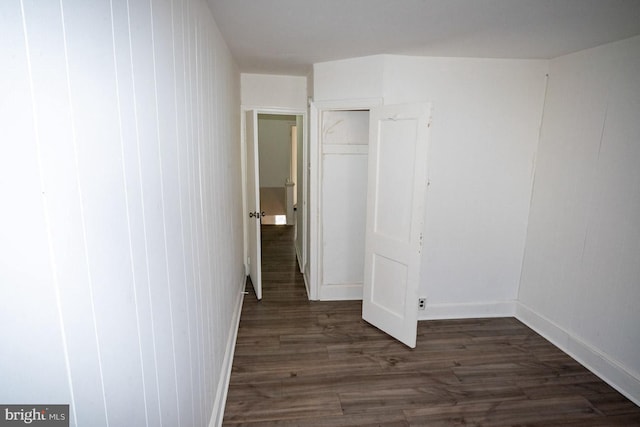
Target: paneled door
[[396, 191], [253, 202]]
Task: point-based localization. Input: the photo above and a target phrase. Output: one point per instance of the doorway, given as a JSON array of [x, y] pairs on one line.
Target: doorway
[[275, 191], [277, 178], [344, 147]]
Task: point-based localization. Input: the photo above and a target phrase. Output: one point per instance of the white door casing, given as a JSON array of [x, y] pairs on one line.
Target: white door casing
[[396, 190], [253, 202], [315, 203]]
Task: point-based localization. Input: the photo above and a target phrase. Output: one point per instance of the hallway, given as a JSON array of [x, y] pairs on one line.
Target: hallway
[[304, 363]]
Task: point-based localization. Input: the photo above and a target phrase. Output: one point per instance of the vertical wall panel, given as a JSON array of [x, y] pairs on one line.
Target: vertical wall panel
[[136, 104], [142, 37], [128, 121], [92, 76], [27, 282], [183, 110], [60, 153], [166, 67], [165, 101]]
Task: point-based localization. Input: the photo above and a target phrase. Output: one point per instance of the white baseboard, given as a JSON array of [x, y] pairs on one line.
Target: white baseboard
[[601, 364], [227, 363], [299, 259], [306, 286], [340, 292], [468, 311], [304, 276]]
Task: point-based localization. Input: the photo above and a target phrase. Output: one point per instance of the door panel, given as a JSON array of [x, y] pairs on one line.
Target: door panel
[[396, 188], [253, 202], [344, 186], [396, 151], [387, 270]]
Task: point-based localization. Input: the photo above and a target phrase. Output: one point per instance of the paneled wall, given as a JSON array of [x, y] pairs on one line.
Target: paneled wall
[[120, 228]]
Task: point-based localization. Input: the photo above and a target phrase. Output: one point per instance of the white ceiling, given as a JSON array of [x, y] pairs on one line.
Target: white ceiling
[[287, 36]]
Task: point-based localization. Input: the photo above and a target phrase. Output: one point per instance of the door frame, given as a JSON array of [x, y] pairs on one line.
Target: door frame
[[317, 108], [243, 154]]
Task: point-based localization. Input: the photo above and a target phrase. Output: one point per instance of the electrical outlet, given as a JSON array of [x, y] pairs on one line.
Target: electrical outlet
[[422, 303]]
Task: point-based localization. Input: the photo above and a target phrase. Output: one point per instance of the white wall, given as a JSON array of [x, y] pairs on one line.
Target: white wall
[[486, 116], [355, 78], [274, 140], [580, 278], [120, 231], [272, 91]]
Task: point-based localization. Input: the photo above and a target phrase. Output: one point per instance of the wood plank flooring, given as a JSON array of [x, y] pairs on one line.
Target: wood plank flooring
[[302, 363]]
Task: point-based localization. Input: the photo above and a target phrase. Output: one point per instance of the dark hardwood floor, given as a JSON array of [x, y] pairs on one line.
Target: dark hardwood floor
[[302, 363]]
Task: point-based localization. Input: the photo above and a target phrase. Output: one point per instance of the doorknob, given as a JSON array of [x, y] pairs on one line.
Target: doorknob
[[256, 214]]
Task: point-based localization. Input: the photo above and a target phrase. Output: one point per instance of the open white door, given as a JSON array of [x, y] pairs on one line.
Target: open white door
[[253, 202], [397, 179]]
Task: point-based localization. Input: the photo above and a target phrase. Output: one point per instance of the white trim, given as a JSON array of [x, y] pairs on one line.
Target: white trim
[[468, 310], [305, 191], [227, 363], [341, 292], [261, 109], [299, 260], [314, 200], [306, 284], [245, 209], [601, 364]]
